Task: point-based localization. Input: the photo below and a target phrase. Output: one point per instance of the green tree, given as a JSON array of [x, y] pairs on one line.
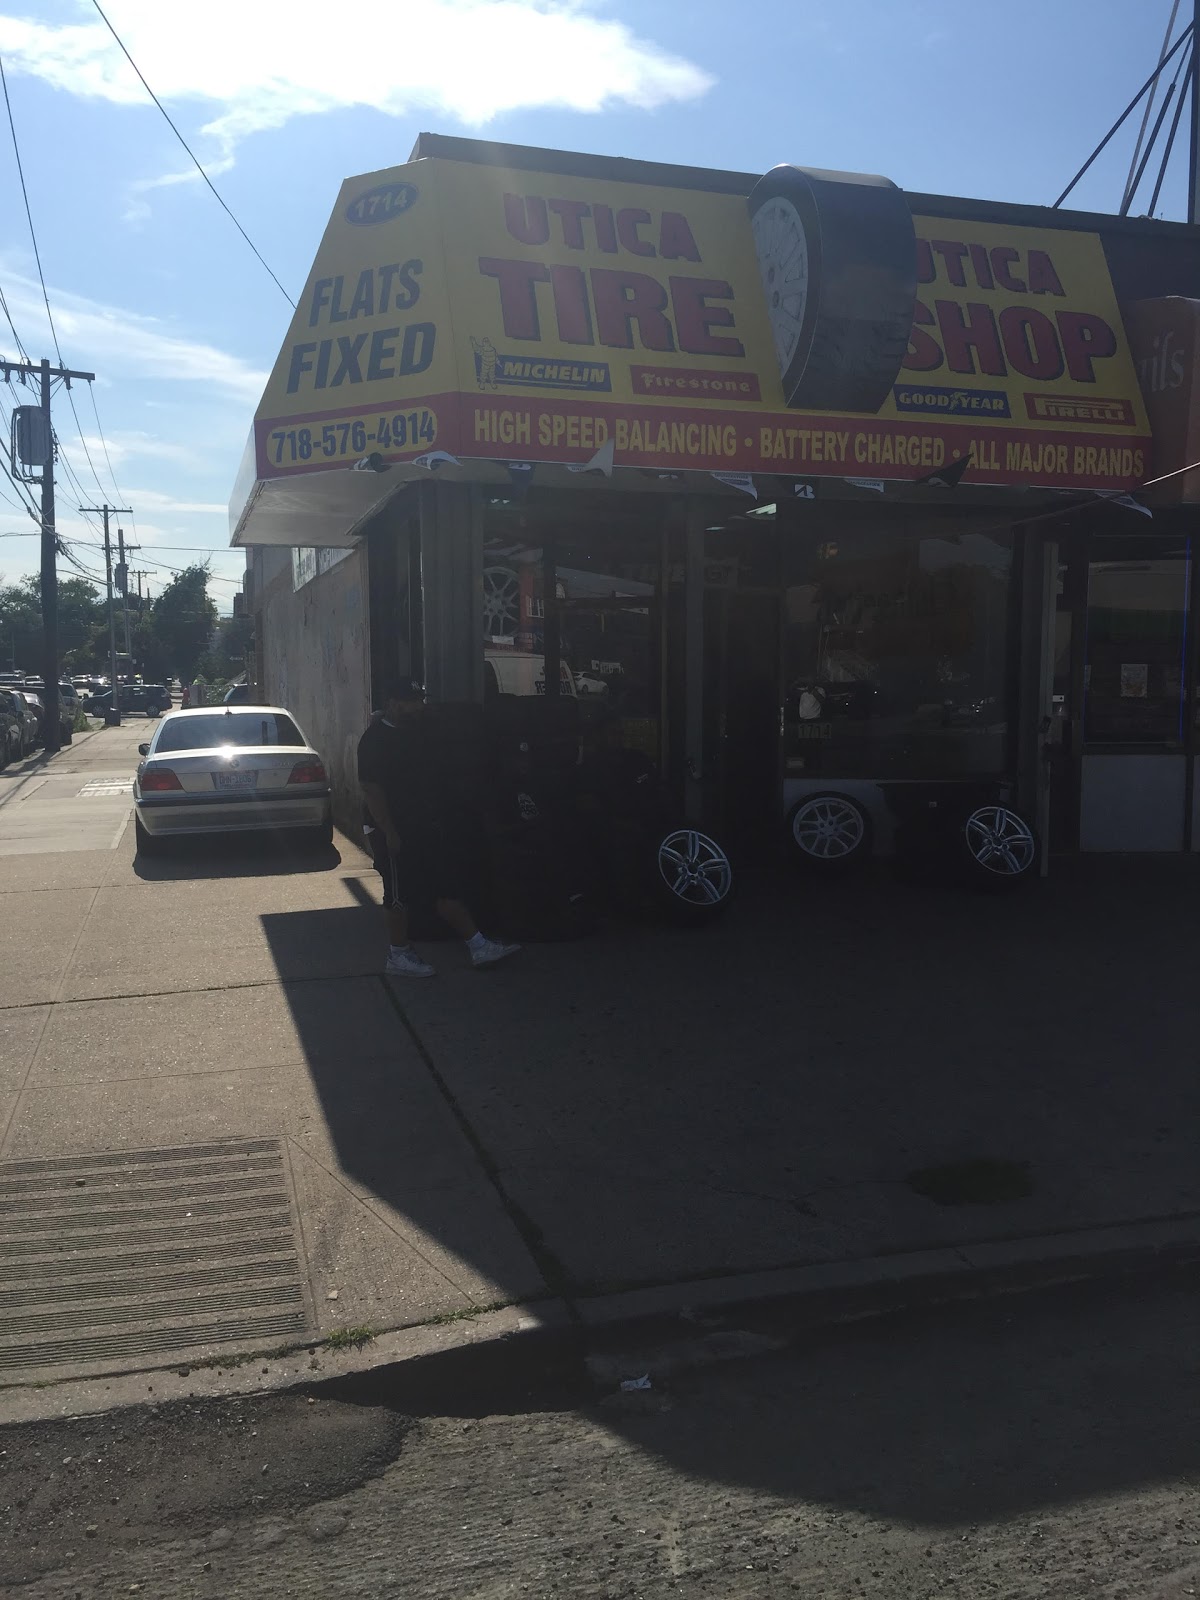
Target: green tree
[[226, 656], [182, 620], [80, 609]]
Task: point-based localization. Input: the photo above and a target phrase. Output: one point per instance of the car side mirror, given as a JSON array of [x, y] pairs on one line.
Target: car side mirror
[[143, 749]]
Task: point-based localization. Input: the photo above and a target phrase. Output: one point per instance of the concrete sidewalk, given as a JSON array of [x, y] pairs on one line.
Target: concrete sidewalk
[[223, 1130]]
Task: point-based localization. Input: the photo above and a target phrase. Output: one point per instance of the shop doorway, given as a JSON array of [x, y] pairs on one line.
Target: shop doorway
[[1123, 774], [743, 693]]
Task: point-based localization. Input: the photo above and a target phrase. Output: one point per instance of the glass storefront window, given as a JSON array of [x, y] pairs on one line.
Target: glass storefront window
[[1134, 681], [896, 649], [514, 618], [577, 585]]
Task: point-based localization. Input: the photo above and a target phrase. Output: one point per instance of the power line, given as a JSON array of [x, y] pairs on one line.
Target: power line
[[21, 350], [1152, 79], [28, 213], [190, 152], [37, 256], [103, 440]]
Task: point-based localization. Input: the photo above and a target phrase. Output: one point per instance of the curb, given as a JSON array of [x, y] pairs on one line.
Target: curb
[[523, 1343]]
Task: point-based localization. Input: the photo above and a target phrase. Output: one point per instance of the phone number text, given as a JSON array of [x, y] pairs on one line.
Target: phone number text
[[335, 440]]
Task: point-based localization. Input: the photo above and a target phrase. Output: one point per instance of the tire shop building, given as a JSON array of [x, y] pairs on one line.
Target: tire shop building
[[815, 492]]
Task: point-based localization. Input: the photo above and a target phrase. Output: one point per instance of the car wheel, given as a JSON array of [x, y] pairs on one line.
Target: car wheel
[[67, 735], [147, 844], [830, 832], [319, 838], [997, 847], [692, 876]]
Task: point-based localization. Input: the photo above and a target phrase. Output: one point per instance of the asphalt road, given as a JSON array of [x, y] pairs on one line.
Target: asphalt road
[[1027, 1446]]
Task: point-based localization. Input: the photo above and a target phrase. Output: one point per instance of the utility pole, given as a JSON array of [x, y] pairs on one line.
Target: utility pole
[[44, 372], [1193, 213], [114, 715], [123, 582]]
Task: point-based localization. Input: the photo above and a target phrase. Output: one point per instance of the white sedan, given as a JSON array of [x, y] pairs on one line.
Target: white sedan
[[230, 769]]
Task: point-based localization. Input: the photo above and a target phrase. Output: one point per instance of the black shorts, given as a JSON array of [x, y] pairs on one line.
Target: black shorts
[[420, 872]]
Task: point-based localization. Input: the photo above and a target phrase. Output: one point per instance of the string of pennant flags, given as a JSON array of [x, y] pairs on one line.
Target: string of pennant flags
[[602, 463]]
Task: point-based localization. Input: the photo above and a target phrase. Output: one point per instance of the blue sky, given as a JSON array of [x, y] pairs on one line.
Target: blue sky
[[153, 289]]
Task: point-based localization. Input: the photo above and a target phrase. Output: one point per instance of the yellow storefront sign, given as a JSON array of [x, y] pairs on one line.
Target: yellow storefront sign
[[487, 313]]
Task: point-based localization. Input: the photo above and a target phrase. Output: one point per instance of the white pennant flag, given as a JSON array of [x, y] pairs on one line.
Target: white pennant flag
[[737, 480], [1130, 504], [601, 462]]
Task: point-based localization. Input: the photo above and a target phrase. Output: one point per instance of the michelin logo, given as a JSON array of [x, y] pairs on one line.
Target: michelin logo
[[951, 402], [496, 371]]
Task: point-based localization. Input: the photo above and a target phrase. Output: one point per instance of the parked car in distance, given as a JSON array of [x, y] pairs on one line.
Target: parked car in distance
[[30, 717], [150, 698], [12, 728], [243, 694], [230, 769]]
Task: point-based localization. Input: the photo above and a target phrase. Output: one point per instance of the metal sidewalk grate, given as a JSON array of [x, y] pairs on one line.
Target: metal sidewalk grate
[[146, 1252]]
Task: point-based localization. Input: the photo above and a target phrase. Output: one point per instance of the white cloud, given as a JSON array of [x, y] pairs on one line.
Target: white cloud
[[263, 63], [133, 445], [157, 503], [126, 344]]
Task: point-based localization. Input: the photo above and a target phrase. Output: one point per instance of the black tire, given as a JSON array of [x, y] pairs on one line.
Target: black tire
[[830, 833], [997, 847], [67, 735], [841, 331], [319, 838], [147, 844], [692, 877], [153, 711]]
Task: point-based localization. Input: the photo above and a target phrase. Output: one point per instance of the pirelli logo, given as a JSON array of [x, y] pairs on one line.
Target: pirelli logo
[[1092, 409]]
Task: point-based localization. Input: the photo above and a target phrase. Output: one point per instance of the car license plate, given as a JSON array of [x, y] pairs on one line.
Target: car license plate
[[235, 780]]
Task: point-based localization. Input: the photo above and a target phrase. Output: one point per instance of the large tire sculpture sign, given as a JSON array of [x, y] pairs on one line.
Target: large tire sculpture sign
[[838, 258]]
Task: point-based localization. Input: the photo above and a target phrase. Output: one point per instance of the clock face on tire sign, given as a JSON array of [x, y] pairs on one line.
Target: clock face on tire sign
[[837, 256]]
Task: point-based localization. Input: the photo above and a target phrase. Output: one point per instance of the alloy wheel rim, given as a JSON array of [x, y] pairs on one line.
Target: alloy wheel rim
[[1001, 841], [829, 829], [694, 867]]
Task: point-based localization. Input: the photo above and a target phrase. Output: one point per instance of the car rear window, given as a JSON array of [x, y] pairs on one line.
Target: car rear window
[[227, 727]]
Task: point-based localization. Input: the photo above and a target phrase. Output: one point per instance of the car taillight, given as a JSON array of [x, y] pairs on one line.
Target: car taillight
[[159, 779], [308, 772]]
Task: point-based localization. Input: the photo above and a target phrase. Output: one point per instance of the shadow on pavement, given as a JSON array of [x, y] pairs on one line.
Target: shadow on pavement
[[939, 1417], [658, 1107], [669, 1105], [248, 855]]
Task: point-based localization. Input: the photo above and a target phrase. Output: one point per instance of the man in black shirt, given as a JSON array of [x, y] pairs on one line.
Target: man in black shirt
[[412, 851]]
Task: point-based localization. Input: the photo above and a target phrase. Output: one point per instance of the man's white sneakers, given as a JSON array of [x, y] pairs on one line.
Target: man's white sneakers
[[491, 951], [407, 964]]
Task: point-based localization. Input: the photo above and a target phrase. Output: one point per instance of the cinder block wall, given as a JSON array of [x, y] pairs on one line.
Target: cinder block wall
[[316, 661]]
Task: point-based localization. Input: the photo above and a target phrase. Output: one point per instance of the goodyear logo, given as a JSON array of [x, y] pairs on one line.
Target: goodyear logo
[[381, 204], [494, 370], [928, 400]]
